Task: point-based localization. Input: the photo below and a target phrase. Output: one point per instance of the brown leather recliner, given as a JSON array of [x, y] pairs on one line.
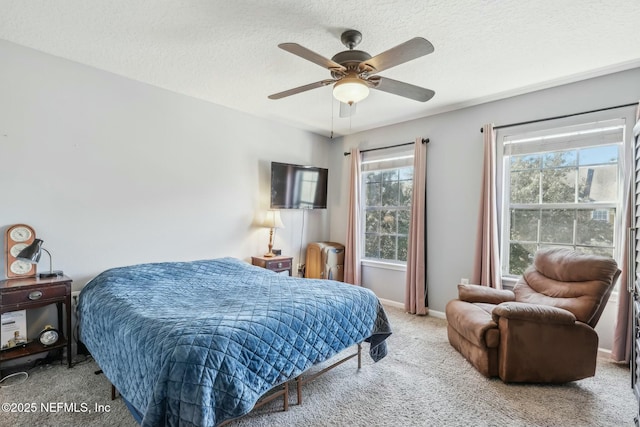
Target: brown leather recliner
[[543, 330]]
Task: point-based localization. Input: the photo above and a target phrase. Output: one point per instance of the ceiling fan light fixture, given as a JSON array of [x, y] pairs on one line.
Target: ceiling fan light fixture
[[350, 90]]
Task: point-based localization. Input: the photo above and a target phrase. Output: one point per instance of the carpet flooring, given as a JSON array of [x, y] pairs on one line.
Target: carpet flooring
[[422, 382]]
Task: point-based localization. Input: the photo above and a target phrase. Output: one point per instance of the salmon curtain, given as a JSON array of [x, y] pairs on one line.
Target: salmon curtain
[[486, 269], [352, 244], [416, 284]]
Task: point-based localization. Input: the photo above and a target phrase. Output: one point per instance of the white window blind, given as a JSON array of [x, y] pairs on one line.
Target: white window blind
[[571, 137], [389, 158]]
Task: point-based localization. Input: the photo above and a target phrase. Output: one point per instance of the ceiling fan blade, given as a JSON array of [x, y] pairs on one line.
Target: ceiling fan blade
[[310, 55], [301, 89], [347, 110], [402, 89], [412, 49]]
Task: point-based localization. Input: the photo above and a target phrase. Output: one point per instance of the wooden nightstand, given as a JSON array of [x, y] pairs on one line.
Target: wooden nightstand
[[274, 263], [32, 292]]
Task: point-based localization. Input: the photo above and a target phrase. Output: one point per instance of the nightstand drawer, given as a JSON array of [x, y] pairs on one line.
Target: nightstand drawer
[[278, 265], [34, 295]]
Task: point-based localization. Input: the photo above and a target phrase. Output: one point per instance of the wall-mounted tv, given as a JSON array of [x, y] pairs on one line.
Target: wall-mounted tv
[[298, 187]]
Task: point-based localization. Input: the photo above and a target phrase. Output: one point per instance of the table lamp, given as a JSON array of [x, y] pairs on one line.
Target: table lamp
[[32, 253], [272, 221]]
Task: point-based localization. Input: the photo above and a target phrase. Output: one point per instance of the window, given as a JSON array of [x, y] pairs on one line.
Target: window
[[387, 184], [562, 187]]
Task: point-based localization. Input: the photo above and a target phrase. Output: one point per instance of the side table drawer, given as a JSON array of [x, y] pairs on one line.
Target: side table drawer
[[31, 295], [278, 265]]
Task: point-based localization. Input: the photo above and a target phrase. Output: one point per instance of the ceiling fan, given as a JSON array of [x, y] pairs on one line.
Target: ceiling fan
[[353, 72]]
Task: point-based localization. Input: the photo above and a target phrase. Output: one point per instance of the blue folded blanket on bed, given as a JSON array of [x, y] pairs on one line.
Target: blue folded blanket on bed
[[197, 343]]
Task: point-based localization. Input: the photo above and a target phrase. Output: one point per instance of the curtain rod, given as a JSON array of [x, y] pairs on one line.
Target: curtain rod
[[424, 141], [562, 117]]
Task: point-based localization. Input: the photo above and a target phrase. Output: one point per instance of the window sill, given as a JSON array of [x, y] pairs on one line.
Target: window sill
[[384, 265], [509, 282]]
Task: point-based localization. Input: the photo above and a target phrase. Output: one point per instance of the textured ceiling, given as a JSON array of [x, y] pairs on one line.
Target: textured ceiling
[[225, 51]]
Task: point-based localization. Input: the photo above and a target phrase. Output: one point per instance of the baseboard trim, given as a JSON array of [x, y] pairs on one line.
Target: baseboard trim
[[390, 303], [437, 314], [603, 353], [396, 304]]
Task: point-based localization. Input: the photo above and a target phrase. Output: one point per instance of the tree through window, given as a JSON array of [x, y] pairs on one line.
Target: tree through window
[[562, 188], [387, 184]]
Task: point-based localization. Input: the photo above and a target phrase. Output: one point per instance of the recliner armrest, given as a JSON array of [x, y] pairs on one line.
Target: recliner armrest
[[533, 312], [477, 293]]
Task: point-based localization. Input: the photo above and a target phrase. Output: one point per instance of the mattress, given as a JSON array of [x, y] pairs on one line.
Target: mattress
[[196, 343]]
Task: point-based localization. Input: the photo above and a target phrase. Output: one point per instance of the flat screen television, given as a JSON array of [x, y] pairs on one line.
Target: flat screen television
[[298, 187]]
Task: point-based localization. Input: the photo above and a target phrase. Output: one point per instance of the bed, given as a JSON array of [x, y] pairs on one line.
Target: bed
[[197, 343]]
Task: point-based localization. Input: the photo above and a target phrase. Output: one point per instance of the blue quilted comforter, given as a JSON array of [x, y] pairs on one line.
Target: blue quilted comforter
[[196, 343]]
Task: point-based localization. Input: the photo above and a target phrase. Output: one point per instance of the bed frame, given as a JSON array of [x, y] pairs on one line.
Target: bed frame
[[300, 380], [283, 389]]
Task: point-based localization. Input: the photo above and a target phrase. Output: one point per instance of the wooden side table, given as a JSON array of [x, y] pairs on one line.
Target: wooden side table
[[274, 263], [33, 292]]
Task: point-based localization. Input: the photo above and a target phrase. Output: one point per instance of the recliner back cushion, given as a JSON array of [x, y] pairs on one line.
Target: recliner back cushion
[[576, 282]]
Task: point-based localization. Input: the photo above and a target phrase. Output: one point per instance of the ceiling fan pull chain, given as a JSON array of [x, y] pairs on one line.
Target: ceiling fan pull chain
[[350, 115], [332, 113]]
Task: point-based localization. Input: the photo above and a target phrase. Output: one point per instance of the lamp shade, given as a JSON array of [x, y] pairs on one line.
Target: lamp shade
[[272, 220], [350, 90], [31, 253]]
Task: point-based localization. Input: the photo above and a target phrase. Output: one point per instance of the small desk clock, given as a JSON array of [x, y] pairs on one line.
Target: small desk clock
[[49, 336]]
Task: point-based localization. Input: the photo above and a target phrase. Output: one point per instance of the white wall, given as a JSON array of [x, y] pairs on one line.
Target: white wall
[[111, 172], [454, 162]]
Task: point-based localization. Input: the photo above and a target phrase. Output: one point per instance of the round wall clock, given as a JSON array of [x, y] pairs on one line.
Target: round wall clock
[[21, 233], [15, 249], [20, 267], [17, 237]]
